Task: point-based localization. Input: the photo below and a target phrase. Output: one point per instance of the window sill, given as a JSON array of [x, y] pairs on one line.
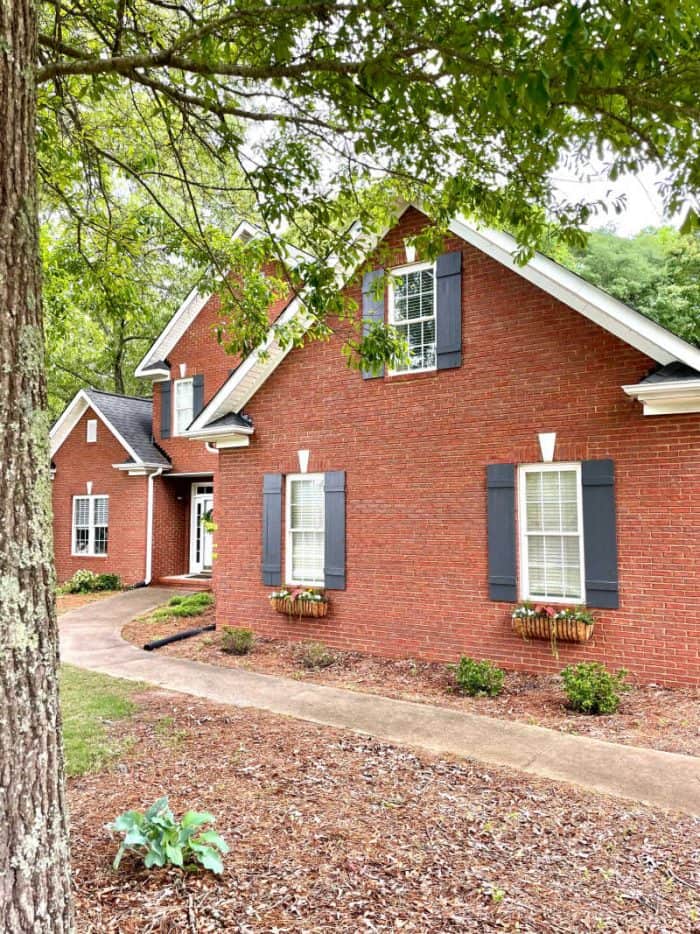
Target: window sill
[[411, 375], [86, 554]]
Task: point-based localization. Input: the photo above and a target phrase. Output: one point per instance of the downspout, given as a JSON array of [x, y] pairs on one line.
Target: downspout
[[149, 526], [211, 448]]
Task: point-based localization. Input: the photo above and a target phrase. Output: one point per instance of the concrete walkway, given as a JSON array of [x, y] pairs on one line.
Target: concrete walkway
[[90, 638]]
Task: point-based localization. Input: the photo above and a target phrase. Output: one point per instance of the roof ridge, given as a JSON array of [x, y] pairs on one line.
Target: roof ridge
[[120, 395]]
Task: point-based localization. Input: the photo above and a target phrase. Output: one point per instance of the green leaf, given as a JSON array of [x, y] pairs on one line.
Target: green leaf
[[212, 837], [174, 855], [209, 858]]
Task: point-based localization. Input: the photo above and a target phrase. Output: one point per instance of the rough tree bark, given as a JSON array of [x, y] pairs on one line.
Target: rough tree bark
[[34, 868]]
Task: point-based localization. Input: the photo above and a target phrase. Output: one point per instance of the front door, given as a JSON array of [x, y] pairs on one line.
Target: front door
[[200, 537]]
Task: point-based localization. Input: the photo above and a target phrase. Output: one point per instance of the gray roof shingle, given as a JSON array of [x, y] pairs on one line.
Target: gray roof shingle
[[672, 371], [131, 417]]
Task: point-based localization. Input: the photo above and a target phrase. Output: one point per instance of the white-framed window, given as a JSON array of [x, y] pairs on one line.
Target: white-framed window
[[91, 436], [305, 524], [412, 311], [90, 525], [550, 518], [183, 404]]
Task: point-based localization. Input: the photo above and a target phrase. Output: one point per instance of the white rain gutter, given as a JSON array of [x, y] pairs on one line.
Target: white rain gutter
[[149, 526]]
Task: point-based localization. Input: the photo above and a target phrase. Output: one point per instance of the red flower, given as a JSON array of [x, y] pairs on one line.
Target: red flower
[[545, 610]]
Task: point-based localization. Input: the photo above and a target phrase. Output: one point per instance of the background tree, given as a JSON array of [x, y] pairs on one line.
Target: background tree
[[466, 105], [657, 272]]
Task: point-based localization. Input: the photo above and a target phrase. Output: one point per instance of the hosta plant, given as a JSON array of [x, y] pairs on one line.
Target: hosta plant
[[162, 840]]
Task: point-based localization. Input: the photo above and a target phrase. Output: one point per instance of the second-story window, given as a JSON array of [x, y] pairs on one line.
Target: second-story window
[[184, 404], [412, 312]]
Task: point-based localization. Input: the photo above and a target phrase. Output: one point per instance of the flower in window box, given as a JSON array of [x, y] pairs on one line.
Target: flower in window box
[[566, 624], [299, 601]]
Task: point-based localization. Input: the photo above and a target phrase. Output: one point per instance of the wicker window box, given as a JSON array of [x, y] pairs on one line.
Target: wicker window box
[[555, 630], [297, 607]]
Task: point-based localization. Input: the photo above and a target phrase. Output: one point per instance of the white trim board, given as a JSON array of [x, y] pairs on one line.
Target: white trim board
[[186, 314], [593, 303], [611, 314]]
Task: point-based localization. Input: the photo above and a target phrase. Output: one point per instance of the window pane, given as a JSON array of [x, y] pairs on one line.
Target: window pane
[[414, 302], [101, 510], [101, 540], [81, 507], [184, 404], [307, 504], [82, 538], [307, 556], [553, 558]]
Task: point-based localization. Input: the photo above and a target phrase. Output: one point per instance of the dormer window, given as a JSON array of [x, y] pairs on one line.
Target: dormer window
[[183, 404], [412, 309]]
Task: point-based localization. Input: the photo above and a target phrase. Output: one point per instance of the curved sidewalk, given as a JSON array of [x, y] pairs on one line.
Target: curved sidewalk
[[90, 638]]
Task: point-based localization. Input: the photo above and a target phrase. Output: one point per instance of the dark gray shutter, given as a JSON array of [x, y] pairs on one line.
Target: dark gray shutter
[[334, 558], [165, 407], [197, 394], [500, 481], [600, 534], [372, 310], [272, 529], [448, 272]]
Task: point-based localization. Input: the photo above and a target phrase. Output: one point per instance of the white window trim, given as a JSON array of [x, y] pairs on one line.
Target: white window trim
[[90, 553], [91, 431], [523, 470], [289, 577], [187, 379], [402, 271]]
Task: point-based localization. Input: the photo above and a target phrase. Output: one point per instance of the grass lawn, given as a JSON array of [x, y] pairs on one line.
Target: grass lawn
[[90, 703]]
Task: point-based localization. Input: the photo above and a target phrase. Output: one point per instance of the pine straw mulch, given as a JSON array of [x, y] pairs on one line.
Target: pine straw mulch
[[73, 601], [330, 831], [660, 718]]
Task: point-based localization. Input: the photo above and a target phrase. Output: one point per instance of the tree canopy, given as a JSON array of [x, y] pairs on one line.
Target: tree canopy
[[657, 272], [301, 107]]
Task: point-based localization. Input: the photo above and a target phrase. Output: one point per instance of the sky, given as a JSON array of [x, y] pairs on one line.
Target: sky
[[643, 207]]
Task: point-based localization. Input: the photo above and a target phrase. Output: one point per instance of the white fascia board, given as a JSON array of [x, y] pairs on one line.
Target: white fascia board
[[250, 375], [671, 397], [76, 409], [614, 316], [231, 441], [173, 331], [210, 434], [140, 469], [191, 307]]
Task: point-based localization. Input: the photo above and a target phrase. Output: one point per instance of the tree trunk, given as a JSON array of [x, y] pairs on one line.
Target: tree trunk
[[34, 867]]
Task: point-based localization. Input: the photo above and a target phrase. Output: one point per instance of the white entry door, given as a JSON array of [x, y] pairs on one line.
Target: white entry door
[[201, 545]]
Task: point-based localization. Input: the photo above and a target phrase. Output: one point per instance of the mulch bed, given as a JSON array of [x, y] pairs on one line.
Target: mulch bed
[[660, 718], [330, 831]]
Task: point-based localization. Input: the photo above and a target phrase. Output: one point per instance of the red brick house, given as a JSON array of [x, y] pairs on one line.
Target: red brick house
[[544, 443]]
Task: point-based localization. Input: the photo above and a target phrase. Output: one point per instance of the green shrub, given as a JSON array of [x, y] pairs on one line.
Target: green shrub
[[237, 641], [478, 678], [591, 688], [108, 582], [83, 581], [164, 841], [315, 655], [191, 605]]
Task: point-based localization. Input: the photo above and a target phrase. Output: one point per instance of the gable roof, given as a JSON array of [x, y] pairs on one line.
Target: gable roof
[[598, 306], [128, 418], [155, 363]]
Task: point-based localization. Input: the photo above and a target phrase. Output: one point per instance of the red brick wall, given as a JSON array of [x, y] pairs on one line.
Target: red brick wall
[[171, 526], [200, 351], [415, 449], [78, 462]]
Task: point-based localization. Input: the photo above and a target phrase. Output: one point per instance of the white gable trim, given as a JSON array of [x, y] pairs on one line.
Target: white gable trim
[[614, 316], [75, 410], [186, 314]]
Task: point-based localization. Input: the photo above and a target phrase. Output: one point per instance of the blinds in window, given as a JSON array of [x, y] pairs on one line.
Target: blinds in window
[[553, 534], [306, 529]]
